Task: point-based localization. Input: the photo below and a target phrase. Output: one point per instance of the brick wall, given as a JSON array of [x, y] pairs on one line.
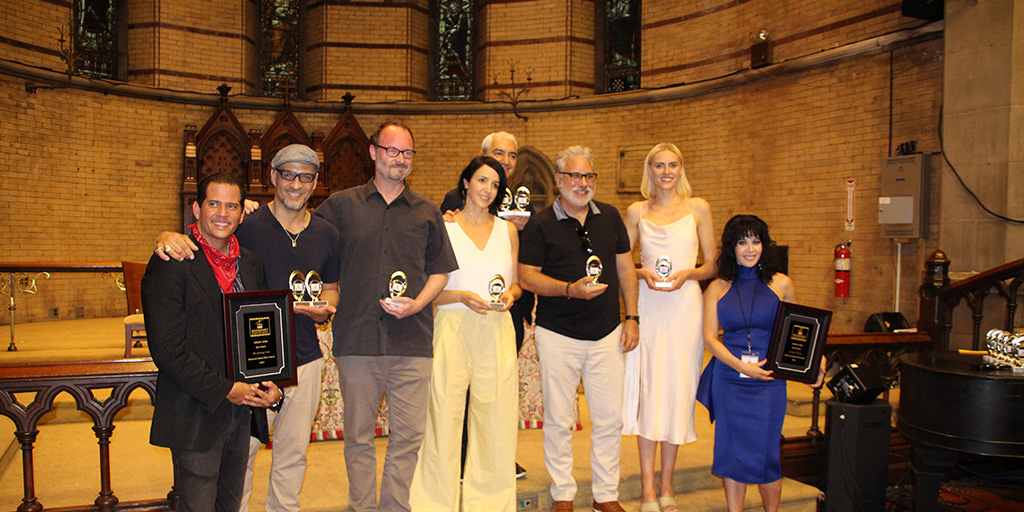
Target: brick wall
[[96, 177]]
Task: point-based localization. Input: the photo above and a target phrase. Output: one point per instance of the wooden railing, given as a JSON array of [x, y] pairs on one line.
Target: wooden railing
[[79, 379], [939, 298], [20, 277]]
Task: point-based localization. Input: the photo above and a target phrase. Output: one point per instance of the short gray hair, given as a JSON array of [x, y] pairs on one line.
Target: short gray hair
[[489, 140], [572, 152]]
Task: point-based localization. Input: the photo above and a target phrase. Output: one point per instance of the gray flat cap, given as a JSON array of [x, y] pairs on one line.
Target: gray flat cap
[[300, 153]]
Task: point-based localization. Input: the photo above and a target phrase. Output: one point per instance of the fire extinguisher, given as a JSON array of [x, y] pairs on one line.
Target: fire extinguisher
[[842, 261]]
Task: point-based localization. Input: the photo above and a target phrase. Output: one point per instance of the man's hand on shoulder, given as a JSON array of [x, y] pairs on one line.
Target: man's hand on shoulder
[[175, 245], [251, 206]]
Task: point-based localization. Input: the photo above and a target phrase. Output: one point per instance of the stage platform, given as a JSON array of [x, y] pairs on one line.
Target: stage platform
[[66, 454]]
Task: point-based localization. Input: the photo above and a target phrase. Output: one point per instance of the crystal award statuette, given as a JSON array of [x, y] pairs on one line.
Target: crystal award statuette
[[594, 269], [298, 286], [495, 288], [505, 209], [396, 287], [314, 287], [663, 269], [522, 200]]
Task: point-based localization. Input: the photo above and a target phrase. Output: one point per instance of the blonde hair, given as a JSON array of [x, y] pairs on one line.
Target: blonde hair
[[682, 186]]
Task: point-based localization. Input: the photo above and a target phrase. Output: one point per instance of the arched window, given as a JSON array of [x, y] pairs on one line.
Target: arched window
[[618, 37], [279, 48], [452, 59], [96, 37]]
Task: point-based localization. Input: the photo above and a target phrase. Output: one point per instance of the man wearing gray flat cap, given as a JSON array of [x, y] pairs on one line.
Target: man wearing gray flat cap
[[287, 238]]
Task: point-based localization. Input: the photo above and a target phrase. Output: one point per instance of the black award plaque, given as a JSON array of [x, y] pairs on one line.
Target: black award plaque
[[260, 328], [798, 340]]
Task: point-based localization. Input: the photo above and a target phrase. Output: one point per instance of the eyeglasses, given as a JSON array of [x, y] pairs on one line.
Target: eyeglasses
[[304, 177], [575, 176], [586, 240], [393, 152]]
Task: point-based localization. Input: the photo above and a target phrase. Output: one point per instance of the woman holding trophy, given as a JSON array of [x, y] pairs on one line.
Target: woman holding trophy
[[662, 374], [474, 349]]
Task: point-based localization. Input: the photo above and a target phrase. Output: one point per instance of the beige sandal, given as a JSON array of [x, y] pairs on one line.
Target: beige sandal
[[667, 503]]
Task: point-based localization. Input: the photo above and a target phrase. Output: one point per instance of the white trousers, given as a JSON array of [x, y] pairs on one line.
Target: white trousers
[[477, 352], [563, 361], [291, 431]]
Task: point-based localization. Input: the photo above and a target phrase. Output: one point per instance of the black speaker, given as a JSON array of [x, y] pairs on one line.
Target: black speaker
[[856, 384], [931, 10], [857, 455], [886, 322]]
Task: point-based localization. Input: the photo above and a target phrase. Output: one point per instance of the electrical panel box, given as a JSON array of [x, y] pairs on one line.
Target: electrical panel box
[[903, 196]]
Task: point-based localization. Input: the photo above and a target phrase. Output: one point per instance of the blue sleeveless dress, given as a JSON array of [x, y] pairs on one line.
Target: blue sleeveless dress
[[748, 413]]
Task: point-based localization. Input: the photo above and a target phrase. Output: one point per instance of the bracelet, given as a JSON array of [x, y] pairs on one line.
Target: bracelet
[[567, 290], [633, 317]]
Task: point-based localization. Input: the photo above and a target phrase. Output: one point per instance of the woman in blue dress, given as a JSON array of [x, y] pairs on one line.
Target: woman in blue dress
[[745, 402]]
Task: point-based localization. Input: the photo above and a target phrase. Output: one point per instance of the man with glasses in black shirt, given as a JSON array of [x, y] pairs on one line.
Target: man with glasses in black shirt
[[578, 328], [385, 346]]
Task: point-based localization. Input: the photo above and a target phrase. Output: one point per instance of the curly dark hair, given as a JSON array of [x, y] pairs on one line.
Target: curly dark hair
[[470, 170], [738, 228]]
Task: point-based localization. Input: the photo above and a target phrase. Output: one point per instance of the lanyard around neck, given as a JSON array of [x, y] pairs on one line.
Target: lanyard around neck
[[744, 313]]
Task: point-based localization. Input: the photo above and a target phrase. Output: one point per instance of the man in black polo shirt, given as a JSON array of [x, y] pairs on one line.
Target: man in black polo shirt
[[578, 328]]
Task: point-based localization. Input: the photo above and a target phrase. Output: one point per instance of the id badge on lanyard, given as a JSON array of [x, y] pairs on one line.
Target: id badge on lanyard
[[749, 356]]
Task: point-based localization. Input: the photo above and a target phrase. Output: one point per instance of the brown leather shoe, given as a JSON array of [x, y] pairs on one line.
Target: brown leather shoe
[[608, 506], [562, 506]]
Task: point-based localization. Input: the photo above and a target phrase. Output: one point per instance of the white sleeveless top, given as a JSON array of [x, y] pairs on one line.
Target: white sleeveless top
[[476, 267]]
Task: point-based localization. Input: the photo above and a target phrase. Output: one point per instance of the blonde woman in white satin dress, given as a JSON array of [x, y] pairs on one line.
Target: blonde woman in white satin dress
[[474, 349], [662, 374]]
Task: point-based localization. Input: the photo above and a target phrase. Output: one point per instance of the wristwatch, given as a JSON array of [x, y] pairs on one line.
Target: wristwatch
[[633, 317], [276, 406]]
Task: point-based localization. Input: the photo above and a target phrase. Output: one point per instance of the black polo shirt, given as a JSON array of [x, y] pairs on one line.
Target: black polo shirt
[[553, 242], [375, 240]]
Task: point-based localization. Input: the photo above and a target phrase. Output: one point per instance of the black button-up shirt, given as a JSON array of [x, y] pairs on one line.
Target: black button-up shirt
[[377, 239]]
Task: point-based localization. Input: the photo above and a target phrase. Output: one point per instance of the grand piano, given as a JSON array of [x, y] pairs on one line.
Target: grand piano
[[948, 406]]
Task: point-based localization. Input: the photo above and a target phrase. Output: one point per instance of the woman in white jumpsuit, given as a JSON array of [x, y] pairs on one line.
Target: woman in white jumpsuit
[[474, 348]]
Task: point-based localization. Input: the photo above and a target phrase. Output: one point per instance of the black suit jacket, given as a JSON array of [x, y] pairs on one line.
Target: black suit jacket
[[184, 311]]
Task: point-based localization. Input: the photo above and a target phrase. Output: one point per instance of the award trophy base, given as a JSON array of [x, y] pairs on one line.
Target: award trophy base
[[514, 213], [391, 303], [663, 284], [496, 304], [312, 303]]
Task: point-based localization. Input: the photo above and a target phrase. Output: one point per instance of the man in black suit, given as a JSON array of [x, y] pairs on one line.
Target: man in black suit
[[200, 414]]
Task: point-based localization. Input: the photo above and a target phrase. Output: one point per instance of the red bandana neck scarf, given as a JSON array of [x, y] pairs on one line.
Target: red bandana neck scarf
[[223, 264]]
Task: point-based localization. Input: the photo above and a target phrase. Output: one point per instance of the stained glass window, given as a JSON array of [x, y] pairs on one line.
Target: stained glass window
[[453, 56], [95, 37], [279, 48], [621, 45]]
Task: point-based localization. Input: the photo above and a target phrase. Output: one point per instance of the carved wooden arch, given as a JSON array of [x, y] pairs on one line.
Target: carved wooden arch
[[220, 146], [535, 171], [346, 154]]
